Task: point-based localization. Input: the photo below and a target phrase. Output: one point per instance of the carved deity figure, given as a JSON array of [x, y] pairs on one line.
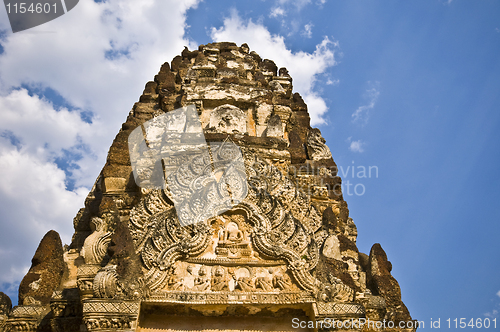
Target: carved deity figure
[[245, 284], [174, 282], [233, 242], [231, 234], [219, 280], [201, 282], [281, 282], [265, 283], [228, 119]]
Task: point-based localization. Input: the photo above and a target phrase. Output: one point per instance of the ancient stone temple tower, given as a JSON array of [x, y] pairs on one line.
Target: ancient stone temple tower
[[247, 231]]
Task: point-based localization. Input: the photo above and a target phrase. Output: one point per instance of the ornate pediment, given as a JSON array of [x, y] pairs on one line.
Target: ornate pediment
[[258, 245]]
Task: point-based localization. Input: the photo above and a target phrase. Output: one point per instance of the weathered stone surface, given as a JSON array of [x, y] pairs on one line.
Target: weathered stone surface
[[297, 148], [45, 274], [278, 245], [5, 304], [228, 119], [274, 127], [5, 307], [329, 219], [96, 244], [316, 147], [383, 283]]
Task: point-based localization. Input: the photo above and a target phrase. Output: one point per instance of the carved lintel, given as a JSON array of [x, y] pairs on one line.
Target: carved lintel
[[226, 297], [117, 323]]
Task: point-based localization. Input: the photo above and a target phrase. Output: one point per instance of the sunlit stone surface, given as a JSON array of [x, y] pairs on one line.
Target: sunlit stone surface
[[247, 230]]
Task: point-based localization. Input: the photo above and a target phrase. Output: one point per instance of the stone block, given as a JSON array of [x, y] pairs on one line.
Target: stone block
[[113, 184]]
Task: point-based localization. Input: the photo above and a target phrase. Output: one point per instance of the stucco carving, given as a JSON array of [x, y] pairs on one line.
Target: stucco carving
[[258, 227], [274, 127], [105, 282], [228, 119], [95, 245], [316, 147]]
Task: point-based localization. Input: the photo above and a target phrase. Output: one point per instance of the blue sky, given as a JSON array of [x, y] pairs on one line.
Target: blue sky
[[411, 87]]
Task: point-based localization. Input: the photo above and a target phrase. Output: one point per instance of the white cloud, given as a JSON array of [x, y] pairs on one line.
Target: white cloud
[[72, 60], [33, 200], [298, 3], [332, 82], [34, 196], [303, 67], [36, 123], [277, 11], [362, 114], [33, 193], [97, 57], [291, 9], [494, 313], [49, 134], [356, 146], [307, 30]]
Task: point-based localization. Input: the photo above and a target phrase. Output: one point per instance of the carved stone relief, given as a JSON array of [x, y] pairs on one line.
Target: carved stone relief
[[274, 127], [93, 252], [105, 282], [277, 88], [316, 147], [206, 277], [5, 308], [208, 182], [95, 245], [212, 255], [228, 119]]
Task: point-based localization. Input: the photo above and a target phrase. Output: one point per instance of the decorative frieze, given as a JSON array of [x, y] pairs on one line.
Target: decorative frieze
[[231, 297]]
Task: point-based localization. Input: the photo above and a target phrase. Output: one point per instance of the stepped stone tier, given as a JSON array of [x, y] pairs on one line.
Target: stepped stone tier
[[277, 247]]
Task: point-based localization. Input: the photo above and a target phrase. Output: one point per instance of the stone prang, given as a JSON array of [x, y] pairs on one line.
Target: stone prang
[[45, 274], [219, 208]]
